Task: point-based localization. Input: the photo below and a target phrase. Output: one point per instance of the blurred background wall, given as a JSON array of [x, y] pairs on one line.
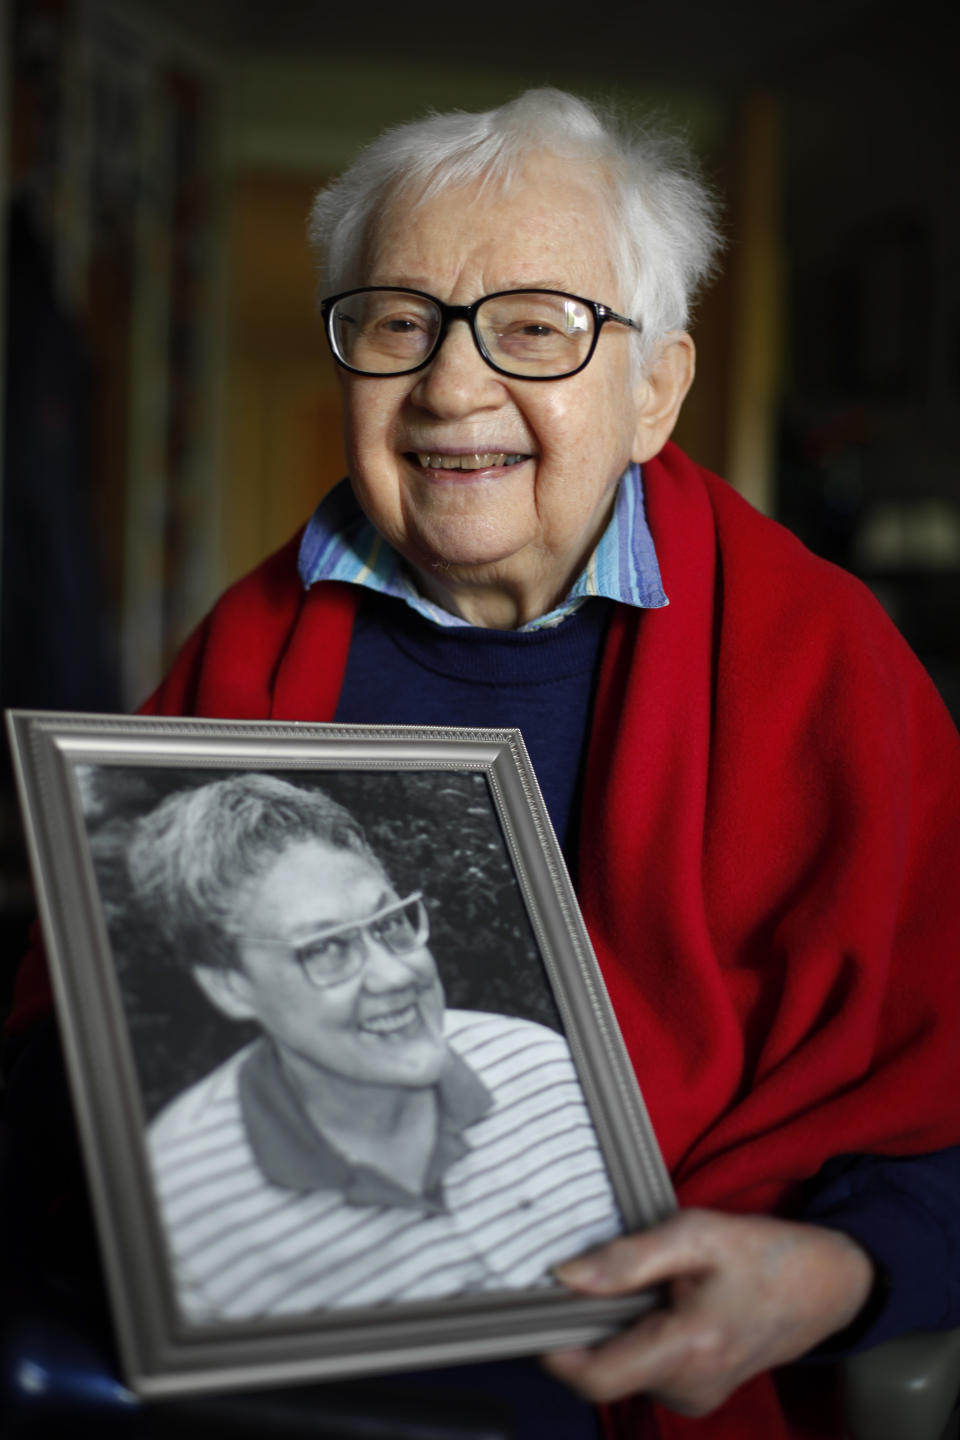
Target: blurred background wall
[[170, 413]]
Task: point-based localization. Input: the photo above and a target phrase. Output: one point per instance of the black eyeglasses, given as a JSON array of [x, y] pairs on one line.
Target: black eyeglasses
[[527, 334]]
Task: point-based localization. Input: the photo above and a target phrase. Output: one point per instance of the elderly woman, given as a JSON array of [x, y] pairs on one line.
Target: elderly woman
[[754, 782]]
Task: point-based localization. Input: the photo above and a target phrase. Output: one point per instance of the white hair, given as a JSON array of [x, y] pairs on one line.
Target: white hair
[[663, 219]]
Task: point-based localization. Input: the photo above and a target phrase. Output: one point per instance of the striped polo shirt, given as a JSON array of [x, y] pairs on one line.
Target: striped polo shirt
[[527, 1189]]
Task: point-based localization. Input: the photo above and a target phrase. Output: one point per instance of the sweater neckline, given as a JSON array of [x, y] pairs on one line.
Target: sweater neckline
[[481, 656]]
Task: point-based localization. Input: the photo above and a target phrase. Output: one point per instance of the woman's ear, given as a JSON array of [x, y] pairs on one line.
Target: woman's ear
[[227, 989], [661, 392]]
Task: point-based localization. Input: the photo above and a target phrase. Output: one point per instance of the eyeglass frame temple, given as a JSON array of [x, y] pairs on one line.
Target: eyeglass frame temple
[[448, 313]]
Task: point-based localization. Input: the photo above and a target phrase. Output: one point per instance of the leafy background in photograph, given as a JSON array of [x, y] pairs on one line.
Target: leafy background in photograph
[[435, 831]]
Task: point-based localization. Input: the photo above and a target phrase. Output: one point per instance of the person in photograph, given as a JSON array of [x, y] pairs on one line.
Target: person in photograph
[[371, 1145], [754, 782]]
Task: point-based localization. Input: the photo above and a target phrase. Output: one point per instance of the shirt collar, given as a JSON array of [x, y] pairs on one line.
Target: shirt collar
[[293, 1154], [339, 543]]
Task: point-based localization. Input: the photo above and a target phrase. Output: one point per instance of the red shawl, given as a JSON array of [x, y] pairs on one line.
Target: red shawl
[[768, 857]]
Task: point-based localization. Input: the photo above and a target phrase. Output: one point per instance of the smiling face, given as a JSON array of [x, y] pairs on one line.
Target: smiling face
[[489, 485], [383, 1026]]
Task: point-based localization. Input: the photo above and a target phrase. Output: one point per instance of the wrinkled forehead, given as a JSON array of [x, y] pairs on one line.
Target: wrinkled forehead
[[549, 216], [312, 878]]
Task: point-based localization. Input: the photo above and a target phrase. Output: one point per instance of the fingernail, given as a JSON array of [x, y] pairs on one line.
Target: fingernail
[[566, 1360], [577, 1272]]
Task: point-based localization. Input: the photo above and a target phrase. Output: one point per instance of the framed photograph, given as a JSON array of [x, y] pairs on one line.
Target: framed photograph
[[348, 1081]]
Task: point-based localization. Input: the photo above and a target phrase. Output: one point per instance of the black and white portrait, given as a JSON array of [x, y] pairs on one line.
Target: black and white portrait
[[355, 1083]]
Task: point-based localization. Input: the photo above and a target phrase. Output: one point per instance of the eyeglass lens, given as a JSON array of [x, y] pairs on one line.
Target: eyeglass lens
[[529, 333], [339, 954]]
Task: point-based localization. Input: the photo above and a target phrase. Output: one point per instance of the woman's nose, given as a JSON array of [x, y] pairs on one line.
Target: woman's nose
[[458, 381], [386, 971]]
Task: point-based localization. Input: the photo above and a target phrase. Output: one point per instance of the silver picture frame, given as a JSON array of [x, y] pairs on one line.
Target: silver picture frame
[[423, 792]]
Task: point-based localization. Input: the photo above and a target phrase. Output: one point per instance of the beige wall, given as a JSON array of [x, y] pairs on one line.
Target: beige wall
[[282, 448]]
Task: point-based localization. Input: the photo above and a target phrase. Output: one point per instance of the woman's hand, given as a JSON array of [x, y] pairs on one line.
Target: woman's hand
[[744, 1293]]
